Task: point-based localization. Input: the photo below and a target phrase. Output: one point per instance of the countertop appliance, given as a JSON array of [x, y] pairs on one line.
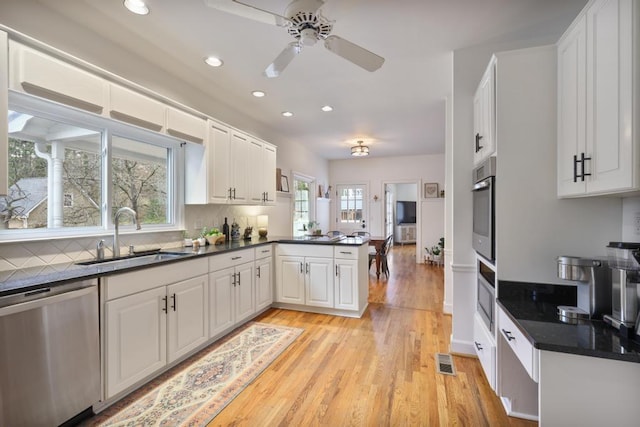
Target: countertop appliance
[[483, 208], [625, 279], [593, 278], [49, 361]]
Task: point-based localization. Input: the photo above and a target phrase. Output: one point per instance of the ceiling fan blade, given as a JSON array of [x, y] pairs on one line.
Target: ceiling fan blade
[[354, 53], [247, 11], [281, 62]]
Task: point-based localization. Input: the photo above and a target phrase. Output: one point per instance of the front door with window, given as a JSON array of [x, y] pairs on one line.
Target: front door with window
[[351, 208]]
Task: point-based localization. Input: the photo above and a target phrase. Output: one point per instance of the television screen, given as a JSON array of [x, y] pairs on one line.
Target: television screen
[[405, 212]]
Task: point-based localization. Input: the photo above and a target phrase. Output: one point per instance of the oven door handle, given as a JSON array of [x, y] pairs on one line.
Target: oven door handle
[[481, 185]]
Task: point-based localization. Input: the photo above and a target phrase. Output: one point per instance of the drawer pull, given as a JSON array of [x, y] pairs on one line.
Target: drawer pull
[[478, 345], [508, 335], [265, 251], [346, 253], [235, 258]]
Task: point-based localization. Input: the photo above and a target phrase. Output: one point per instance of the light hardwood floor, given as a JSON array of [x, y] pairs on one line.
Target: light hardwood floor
[[375, 371]]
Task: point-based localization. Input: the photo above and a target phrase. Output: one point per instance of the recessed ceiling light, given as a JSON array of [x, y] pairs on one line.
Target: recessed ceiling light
[[258, 93], [213, 61], [287, 113], [327, 108], [136, 6]]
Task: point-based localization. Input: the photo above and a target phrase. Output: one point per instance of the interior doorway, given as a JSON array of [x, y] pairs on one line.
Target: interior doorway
[[402, 214]]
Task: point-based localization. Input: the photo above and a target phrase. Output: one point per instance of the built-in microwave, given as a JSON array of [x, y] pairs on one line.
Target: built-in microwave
[[483, 208]]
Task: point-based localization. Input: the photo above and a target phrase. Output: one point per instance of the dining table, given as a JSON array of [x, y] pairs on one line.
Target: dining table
[[378, 243]]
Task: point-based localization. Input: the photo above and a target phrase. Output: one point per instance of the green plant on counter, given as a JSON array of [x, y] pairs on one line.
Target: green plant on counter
[[213, 231]]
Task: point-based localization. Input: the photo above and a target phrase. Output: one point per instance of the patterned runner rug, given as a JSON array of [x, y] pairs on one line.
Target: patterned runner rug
[[195, 391]]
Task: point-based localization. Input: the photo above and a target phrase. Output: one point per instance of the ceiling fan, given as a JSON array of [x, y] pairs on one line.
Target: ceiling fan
[[305, 22]]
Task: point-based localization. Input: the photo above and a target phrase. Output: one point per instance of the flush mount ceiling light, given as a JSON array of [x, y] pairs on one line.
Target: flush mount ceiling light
[[327, 108], [258, 93], [213, 61], [287, 113], [136, 6], [360, 150]]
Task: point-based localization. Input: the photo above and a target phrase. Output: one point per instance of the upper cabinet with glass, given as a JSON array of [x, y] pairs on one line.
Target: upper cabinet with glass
[[598, 98]]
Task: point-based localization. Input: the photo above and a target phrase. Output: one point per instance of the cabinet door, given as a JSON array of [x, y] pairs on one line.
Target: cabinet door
[[290, 279], [485, 350], [346, 284], [571, 108], [244, 292], [188, 320], [269, 173], [240, 170], [185, 126], [610, 113], [221, 301], [264, 284], [135, 108], [484, 117], [218, 153], [136, 345], [319, 282], [256, 184]]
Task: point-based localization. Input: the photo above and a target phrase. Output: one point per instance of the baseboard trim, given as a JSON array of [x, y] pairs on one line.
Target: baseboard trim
[[461, 347], [447, 308]]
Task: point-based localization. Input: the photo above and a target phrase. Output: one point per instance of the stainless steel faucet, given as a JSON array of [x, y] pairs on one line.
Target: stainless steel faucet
[[116, 221], [100, 249]]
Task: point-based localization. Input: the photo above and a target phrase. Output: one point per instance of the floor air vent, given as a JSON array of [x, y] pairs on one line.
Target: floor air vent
[[445, 364]]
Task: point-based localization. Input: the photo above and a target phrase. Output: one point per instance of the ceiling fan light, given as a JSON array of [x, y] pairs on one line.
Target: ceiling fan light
[[360, 150], [287, 113], [258, 93], [213, 61], [327, 108], [136, 6]]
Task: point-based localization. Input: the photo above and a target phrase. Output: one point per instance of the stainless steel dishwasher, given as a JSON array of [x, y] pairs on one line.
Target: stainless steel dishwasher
[[49, 354]]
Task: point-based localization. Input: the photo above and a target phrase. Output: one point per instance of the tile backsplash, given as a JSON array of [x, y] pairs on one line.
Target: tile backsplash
[[41, 253]]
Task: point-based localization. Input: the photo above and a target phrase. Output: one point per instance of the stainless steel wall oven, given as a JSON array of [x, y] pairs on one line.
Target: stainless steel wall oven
[[483, 208]]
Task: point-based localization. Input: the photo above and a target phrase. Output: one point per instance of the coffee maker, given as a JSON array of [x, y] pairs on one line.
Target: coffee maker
[[625, 285], [593, 278]]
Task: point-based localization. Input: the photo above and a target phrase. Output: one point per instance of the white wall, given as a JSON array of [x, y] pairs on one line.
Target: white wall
[[375, 172]]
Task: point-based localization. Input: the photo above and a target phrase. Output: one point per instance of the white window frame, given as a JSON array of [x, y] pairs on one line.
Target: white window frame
[[297, 176], [175, 168]]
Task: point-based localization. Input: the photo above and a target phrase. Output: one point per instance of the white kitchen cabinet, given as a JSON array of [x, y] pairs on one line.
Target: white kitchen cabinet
[[231, 290], [136, 338], [239, 170], [39, 74], [135, 108], [346, 284], [4, 107], [305, 275], [264, 277], [185, 126], [598, 150], [188, 316], [152, 317], [218, 149], [485, 348], [484, 116], [405, 233], [262, 172]]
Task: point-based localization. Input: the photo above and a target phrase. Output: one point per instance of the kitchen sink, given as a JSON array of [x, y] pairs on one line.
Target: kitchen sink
[[137, 259]]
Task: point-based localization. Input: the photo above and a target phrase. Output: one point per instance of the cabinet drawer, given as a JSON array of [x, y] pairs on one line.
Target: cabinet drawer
[[485, 348], [324, 251], [120, 285], [131, 107], [520, 345], [230, 259], [185, 126], [345, 252], [47, 77], [264, 251]]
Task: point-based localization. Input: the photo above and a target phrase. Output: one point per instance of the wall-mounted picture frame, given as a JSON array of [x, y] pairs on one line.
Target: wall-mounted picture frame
[[431, 190], [284, 182]]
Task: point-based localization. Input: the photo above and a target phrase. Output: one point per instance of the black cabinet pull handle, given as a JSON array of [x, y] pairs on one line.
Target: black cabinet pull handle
[[478, 146], [583, 158], [301, 270], [508, 335], [258, 272], [175, 302], [239, 279], [478, 345], [575, 168], [235, 258], [307, 267], [234, 280], [234, 193], [336, 271], [164, 299]]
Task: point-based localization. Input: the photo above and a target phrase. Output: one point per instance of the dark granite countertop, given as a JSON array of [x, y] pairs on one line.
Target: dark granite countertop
[[533, 307], [28, 279]]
